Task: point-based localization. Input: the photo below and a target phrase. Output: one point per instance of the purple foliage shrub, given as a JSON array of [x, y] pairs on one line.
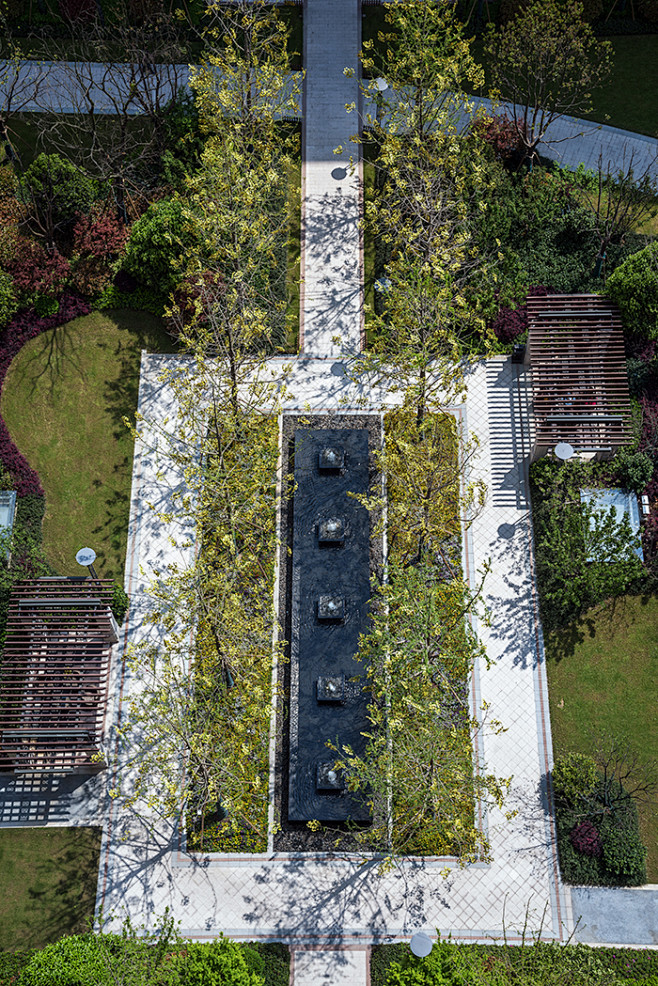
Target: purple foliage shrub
[[510, 323], [586, 839], [502, 135], [24, 326]]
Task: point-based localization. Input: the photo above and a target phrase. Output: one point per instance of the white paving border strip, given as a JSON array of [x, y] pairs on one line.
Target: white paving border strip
[[315, 899]]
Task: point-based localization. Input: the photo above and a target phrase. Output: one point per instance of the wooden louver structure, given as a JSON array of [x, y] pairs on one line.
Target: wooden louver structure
[[54, 675], [575, 351]]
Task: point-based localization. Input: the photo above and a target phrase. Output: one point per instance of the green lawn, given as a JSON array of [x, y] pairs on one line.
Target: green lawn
[[629, 99], [48, 883], [64, 399], [602, 675]]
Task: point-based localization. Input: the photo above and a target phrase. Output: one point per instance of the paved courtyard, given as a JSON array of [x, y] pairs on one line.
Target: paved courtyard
[[324, 899], [330, 908]]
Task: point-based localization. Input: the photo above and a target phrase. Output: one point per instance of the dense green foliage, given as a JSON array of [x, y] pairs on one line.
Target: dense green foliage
[[158, 242], [55, 190], [157, 958], [533, 964], [634, 287], [8, 303], [583, 555], [597, 824]]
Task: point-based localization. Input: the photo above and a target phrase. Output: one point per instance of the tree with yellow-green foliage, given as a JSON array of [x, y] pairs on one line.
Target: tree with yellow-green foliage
[[420, 770], [429, 178], [546, 61], [199, 724]]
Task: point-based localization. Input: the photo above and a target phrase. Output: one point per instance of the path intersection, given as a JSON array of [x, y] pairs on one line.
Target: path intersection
[[330, 908]]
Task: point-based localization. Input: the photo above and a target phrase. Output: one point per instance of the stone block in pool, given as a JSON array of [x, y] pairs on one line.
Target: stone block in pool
[[328, 778], [331, 608], [331, 531], [331, 688], [331, 458]]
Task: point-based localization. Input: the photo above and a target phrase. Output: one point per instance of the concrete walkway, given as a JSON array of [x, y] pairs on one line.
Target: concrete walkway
[[331, 256], [325, 900], [616, 915], [571, 141]]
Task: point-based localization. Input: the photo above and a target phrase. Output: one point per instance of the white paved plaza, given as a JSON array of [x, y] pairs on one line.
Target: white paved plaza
[[320, 899], [330, 908]]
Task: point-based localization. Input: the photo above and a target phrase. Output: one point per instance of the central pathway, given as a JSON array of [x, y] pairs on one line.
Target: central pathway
[[330, 909], [331, 256]]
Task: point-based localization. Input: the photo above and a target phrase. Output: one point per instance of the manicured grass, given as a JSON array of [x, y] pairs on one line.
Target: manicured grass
[[603, 674], [64, 400], [629, 98], [48, 883]]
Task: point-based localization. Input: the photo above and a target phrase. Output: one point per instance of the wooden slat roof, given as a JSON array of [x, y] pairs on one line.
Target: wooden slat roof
[[579, 382], [54, 674]]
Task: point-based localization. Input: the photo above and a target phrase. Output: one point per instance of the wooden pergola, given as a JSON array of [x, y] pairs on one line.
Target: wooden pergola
[[54, 675], [575, 351]]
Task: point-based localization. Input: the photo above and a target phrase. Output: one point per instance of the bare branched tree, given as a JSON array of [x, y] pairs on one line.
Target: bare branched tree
[[111, 105], [624, 773], [622, 202]]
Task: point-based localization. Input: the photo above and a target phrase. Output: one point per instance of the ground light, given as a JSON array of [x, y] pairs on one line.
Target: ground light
[[421, 945], [87, 557]]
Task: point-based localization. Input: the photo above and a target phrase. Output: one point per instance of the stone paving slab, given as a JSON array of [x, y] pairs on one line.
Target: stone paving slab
[[333, 967], [331, 262], [610, 915]]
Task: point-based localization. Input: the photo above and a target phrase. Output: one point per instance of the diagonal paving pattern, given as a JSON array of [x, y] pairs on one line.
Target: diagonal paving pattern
[[338, 900]]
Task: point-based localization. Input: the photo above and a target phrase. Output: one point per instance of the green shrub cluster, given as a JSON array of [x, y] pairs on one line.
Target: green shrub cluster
[[569, 533], [161, 958], [633, 286], [139, 300], [580, 797], [533, 964]]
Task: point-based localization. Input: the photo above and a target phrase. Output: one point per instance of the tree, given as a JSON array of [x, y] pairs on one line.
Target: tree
[[118, 116], [20, 84], [546, 61], [622, 202], [205, 676], [236, 280], [633, 286], [418, 770], [429, 179], [54, 192], [199, 724]]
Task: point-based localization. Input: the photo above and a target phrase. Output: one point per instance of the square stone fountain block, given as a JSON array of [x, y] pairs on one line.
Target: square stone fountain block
[[331, 688], [331, 531], [328, 778], [331, 458], [331, 608]]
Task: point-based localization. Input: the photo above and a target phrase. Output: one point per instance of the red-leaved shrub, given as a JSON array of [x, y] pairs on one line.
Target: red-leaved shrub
[[97, 239], [502, 136], [510, 323], [36, 271], [586, 839]]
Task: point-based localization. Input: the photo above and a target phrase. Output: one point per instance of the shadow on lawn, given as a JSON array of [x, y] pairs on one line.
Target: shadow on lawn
[[58, 890], [602, 621], [54, 354]]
